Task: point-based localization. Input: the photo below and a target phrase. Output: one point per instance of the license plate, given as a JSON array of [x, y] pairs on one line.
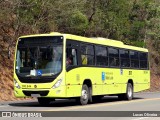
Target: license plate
[[35, 95]]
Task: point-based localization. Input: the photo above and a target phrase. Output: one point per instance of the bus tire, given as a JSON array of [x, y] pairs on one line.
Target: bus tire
[[84, 98], [90, 95], [44, 101], [129, 93]]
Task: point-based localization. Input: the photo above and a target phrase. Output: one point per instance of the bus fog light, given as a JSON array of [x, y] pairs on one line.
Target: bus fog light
[[57, 84], [16, 84]]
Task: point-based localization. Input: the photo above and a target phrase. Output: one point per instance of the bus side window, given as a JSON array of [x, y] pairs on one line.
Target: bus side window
[[113, 57], [87, 54], [134, 59]]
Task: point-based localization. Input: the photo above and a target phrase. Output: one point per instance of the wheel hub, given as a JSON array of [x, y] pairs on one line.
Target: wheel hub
[[130, 92], [84, 94]]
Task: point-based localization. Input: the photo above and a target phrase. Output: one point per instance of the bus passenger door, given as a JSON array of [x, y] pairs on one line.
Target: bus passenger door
[[72, 71]]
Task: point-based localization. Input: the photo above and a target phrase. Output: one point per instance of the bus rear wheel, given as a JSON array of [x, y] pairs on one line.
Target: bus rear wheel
[[129, 93], [84, 98]]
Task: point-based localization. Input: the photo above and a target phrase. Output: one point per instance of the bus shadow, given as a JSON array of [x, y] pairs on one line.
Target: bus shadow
[[66, 103]]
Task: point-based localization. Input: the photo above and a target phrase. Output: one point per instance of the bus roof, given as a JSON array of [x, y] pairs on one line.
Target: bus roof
[[98, 40]]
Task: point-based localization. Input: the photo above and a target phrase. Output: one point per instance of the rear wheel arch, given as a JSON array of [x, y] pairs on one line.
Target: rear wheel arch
[[131, 81]]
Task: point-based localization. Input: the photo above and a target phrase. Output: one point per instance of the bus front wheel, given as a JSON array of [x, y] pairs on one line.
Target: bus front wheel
[[84, 98]]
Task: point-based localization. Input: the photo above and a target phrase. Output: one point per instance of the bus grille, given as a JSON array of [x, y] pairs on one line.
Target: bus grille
[[42, 93], [35, 80]]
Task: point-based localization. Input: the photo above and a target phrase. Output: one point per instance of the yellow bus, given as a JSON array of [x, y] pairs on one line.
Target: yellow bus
[[54, 66]]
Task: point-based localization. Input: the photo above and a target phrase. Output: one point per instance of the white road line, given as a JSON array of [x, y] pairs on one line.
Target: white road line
[[141, 118], [4, 106]]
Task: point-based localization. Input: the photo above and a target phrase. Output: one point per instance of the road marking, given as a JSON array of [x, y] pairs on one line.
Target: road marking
[[141, 118], [4, 106], [99, 105]]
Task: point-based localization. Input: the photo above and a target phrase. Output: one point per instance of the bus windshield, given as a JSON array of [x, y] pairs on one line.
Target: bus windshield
[[39, 56]]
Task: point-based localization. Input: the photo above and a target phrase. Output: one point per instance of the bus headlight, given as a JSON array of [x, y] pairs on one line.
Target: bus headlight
[[57, 84], [16, 84]]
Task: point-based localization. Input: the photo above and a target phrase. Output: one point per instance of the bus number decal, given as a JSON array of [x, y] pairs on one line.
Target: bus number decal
[[26, 86]]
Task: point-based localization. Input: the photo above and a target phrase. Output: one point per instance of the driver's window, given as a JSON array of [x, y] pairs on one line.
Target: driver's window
[[71, 58]]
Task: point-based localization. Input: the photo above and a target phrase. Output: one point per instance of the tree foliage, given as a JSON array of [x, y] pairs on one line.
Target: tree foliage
[[135, 22], [115, 19]]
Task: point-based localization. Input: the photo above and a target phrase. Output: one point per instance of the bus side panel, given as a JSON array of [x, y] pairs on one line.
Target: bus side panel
[[142, 80], [77, 76], [123, 88], [105, 80], [73, 87], [97, 90], [73, 90]]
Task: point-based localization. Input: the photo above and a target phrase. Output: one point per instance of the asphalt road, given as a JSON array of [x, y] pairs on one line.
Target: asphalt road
[[110, 104]]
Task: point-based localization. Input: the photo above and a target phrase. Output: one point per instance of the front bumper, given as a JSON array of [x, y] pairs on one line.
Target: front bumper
[[59, 92]]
